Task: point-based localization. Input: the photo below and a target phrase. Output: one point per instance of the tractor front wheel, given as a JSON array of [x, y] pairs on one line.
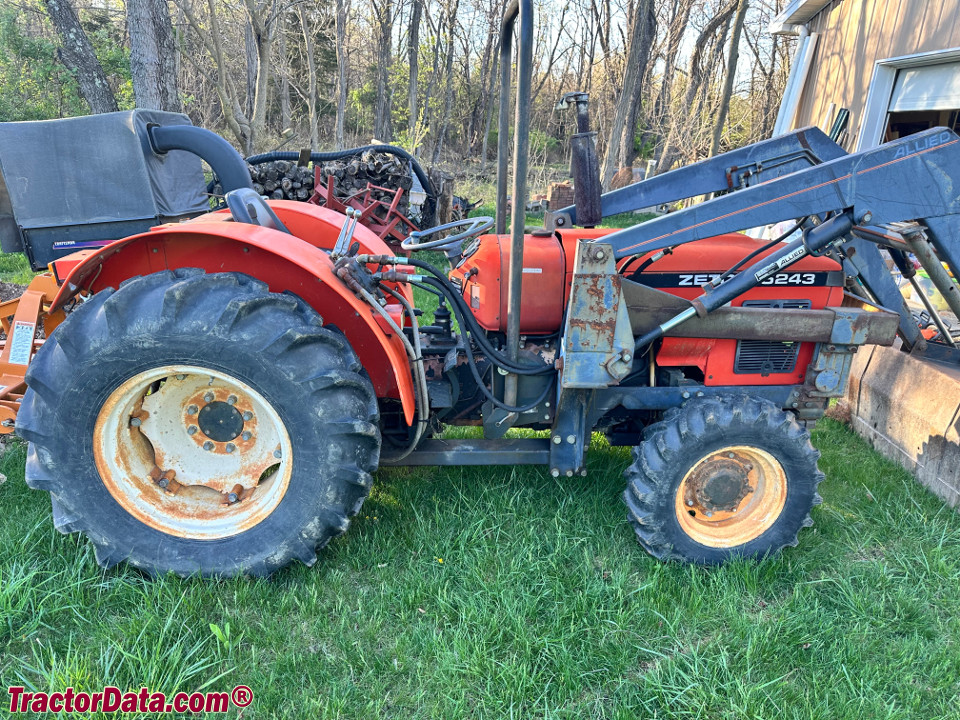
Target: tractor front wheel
[[720, 478], [199, 423]]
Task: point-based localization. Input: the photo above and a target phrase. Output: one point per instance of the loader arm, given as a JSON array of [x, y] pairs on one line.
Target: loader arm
[[910, 179], [734, 170], [915, 178]]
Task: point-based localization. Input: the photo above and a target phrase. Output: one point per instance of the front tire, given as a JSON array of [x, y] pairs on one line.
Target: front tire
[[200, 424], [721, 478]]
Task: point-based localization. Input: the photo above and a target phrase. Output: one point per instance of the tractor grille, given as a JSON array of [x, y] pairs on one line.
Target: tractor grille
[[763, 357]]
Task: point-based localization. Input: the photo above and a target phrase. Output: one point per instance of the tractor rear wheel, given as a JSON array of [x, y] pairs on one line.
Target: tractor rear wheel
[[722, 477], [199, 423]]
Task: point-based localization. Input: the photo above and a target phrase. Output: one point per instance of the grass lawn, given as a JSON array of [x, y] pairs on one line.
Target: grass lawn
[[14, 268], [505, 593]]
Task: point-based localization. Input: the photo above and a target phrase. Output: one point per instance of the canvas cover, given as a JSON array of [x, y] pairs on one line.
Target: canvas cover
[[94, 178]]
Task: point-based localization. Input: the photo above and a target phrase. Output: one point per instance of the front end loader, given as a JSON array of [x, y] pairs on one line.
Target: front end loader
[[216, 390]]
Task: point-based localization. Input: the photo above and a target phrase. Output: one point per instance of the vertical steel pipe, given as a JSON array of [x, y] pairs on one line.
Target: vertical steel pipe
[[522, 10]]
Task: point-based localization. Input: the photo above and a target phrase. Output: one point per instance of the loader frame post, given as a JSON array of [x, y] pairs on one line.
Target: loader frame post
[[522, 9]]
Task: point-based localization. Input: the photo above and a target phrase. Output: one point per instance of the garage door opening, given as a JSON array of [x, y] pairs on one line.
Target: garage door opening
[[924, 97]]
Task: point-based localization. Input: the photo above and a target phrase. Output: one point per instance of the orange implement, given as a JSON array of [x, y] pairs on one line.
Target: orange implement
[[19, 319]]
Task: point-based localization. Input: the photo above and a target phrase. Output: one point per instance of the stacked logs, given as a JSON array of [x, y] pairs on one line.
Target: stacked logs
[[285, 180], [282, 180], [351, 176], [279, 180]]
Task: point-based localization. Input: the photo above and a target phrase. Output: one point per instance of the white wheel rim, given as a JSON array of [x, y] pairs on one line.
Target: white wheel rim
[[192, 452]]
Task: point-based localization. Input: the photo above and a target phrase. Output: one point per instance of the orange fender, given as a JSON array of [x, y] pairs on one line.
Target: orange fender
[[296, 263]]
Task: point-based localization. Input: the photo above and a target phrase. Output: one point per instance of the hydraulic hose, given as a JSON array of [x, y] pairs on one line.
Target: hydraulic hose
[[471, 362], [293, 156], [469, 324], [441, 283]]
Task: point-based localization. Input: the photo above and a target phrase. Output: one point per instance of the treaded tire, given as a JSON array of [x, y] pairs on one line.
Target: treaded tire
[[225, 322], [672, 447]]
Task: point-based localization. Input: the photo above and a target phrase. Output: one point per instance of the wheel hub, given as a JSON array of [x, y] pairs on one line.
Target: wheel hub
[[192, 452], [220, 421], [731, 496], [721, 483]]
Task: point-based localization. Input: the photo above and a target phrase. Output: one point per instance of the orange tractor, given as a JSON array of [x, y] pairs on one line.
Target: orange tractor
[[216, 390]]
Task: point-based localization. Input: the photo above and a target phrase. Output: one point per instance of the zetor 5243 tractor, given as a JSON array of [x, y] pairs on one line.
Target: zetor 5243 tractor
[[215, 395]]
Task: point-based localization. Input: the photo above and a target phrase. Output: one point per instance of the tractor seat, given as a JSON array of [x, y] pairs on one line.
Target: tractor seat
[[246, 206]]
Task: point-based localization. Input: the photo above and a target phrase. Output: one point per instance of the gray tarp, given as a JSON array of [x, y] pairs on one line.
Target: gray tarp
[[94, 170]]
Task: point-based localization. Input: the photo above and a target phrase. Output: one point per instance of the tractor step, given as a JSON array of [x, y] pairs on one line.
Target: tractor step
[[525, 451]]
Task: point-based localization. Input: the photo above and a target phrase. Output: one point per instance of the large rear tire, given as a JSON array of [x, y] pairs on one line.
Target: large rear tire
[[720, 478], [200, 424]]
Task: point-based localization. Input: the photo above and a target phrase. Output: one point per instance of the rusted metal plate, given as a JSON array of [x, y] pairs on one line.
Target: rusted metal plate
[[598, 341]]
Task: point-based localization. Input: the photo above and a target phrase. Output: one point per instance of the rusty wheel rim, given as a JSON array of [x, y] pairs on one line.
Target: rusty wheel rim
[[192, 452], [731, 496]]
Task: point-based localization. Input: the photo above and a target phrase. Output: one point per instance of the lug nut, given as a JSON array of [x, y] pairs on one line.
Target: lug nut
[[246, 435], [231, 447], [208, 397], [163, 482], [192, 430], [135, 422], [731, 455], [709, 513], [689, 503], [232, 400], [247, 416], [192, 410], [181, 377], [276, 453], [557, 440], [232, 498], [208, 445]]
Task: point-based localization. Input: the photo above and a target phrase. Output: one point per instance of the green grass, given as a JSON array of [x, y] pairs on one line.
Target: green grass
[[543, 606], [14, 268]]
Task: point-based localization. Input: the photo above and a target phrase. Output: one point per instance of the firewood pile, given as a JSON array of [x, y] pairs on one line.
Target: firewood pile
[[282, 180], [285, 180], [352, 175]]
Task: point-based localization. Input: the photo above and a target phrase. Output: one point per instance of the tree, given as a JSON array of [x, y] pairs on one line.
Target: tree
[[311, 56], [413, 57], [77, 54], [451, 14], [620, 148], [733, 56], [383, 24], [153, 55], [343, 66], [695, 78], [245, 115]]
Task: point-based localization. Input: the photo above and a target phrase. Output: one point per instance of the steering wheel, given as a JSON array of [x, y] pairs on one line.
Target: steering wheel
[[474, 225]]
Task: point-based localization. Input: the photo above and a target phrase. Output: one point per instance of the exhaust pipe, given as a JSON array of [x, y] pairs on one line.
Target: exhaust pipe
[[585, 166]]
